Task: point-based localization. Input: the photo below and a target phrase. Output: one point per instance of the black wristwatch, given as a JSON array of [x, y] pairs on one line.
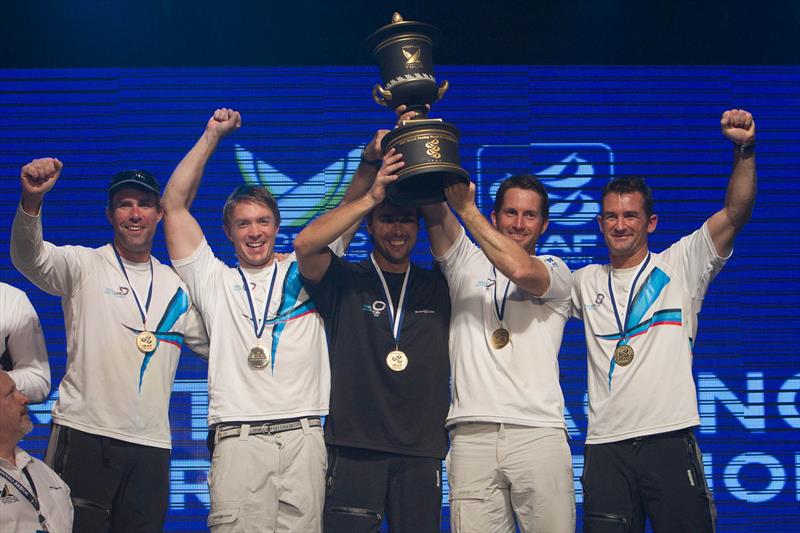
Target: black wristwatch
[[741, 148], [370, 162]]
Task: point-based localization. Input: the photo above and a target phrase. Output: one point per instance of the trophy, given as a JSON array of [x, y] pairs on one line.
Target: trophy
[[403, 50]]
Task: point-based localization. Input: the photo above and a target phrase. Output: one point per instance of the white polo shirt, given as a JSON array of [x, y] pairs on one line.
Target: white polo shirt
[[21, 335], [16, 512], [111, 388], [296, 382], [519, 383], [656, 392]]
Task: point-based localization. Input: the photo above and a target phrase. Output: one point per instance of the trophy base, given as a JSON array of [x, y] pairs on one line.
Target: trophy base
[[425, 187], [430, 153]]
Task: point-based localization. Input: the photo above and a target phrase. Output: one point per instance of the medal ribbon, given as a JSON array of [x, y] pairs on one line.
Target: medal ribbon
[[143, 312], [623, 329], [500, 309], [396, 320], [33, 499], [259, 331]]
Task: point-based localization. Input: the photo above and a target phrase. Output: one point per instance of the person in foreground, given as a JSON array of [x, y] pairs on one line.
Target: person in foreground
[[33, 497], [509, 464], [126, 317], [640, 320], [268, 370], [386, 321]]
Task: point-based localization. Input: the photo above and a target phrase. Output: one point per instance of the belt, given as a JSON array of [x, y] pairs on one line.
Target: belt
[[265, 428]]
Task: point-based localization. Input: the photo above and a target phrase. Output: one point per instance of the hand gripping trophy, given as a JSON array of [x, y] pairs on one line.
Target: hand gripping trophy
[[404, 50]]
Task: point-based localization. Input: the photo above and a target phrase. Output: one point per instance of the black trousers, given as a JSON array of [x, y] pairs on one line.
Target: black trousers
[[115, 485], [656, 477], [364, 486]]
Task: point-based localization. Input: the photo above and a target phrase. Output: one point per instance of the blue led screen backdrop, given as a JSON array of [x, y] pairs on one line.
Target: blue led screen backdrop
[[574, 127]]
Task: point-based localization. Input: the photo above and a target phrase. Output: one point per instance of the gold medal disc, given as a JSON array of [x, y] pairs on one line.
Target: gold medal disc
[[257, 358], [146, 341], [397, 360], [500, 337], [623, 355]]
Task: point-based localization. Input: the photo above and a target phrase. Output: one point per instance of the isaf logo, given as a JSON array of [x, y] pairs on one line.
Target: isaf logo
[[573, 173]]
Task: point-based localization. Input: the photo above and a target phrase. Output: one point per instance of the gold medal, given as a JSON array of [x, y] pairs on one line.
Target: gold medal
[[500, 337], [623, 355], [397, 360], [258, 358], [146, 341]]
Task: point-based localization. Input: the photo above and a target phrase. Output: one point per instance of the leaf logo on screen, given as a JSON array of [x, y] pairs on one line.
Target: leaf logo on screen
[[299, 201], [571, 207]]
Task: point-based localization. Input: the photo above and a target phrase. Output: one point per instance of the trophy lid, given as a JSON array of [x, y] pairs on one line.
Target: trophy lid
[[398, 26]]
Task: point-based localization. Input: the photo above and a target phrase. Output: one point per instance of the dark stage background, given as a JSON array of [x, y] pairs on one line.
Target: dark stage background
[[105, 88]]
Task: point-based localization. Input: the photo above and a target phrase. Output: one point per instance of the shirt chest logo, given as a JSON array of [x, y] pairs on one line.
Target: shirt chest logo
[[120, 292], [7, 497], [375, 308]]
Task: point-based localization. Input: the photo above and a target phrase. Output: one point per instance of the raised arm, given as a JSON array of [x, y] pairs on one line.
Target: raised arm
[[311, 245], [360, 183], [364, 176], [442, 226], [182, 232], [53, 269], [738, 126], [503, 252], [36, 179]]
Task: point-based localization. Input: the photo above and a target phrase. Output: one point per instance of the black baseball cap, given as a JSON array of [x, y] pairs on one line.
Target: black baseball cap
[[136, 179]]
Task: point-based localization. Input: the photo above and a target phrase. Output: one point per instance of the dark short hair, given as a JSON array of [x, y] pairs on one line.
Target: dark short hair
[[523, 181], [389, 203], [250, 193], [628, 185]]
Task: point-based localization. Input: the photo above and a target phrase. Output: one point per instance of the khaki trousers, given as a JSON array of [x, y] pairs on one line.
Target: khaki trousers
[[505, 475], [268, 483]]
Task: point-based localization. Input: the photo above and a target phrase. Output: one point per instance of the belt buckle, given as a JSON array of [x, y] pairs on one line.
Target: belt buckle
[[266, 428]]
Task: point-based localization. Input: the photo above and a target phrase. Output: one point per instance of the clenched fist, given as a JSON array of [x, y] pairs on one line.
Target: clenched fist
[[223, 122], [738, 126]]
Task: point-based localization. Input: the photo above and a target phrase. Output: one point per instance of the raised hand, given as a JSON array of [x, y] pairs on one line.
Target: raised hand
[[373, 151], [223, 122], [738, 126], [39, 176], [392, 162], [403, 114], [460, 196]]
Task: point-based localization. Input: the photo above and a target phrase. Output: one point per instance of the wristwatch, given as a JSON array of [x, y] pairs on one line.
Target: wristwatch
[[741, 148], [370, 162]]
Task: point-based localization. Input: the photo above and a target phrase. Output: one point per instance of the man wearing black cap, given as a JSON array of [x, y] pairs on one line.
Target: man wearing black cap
[[126, 317]]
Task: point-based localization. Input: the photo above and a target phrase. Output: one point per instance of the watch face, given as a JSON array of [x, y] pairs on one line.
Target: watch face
[[746, 148]]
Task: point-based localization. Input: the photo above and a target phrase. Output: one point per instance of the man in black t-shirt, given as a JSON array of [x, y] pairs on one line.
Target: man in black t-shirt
[[387, 324]]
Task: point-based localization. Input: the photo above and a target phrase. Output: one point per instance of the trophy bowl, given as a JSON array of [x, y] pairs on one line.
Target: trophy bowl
[[404, 52]]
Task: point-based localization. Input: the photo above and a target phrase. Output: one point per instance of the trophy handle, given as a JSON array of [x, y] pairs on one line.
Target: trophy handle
[[381, 95], [442, 89]]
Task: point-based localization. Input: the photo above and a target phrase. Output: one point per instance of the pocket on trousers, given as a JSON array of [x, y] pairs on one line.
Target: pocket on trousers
[[223, 519], [467, 507], [605, 523]]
